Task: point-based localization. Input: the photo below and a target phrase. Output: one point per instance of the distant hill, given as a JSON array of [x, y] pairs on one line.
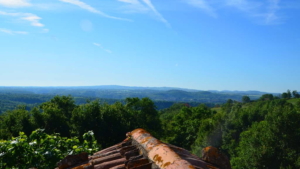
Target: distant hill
[[10, 101], [51, 89], [122, 92], [162, 96], [249, 92], [39, 90]]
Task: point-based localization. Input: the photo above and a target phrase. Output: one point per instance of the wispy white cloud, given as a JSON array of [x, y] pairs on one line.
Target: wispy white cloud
[[34, 20], [29, 17], [143, 6], [130, 1], [265, 11], [160, 17], [14, 3], [271, 16], [91, 9], [100, 46], [12, 32], [97, 44], [134, 6], [203, 5], [45, 31], [244, 5]]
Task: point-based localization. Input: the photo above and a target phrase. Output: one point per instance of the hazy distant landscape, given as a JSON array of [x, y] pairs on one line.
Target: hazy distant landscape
[[163, 97]]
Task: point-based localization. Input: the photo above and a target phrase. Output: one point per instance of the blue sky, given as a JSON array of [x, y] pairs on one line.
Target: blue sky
[[197, 44]]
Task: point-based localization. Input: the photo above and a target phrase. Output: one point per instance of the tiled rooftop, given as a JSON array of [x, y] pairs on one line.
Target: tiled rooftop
[[140, 150]]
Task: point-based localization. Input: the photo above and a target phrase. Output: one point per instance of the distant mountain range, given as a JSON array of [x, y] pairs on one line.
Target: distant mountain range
[[46, 89], [122, 92], [163, 97], [100, 87], [249, 92]]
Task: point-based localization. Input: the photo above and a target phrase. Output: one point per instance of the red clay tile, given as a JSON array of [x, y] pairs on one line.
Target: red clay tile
[[110, 164], [107, 158], [122, 166], [139, 151]]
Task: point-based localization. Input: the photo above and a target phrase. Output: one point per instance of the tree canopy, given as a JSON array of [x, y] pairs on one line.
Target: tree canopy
[[257, 134]]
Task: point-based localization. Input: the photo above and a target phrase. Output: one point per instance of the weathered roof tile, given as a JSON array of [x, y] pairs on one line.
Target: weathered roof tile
[[139, 151], [110, 164]]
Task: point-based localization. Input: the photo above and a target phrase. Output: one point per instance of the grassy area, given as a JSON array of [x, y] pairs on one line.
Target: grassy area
[[217, 109], [294, 101]]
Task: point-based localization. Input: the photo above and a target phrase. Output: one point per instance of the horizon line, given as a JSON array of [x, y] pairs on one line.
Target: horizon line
[[147, 87]]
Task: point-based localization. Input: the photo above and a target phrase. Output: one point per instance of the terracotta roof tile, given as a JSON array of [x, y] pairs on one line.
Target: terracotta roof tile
[[139, 151]]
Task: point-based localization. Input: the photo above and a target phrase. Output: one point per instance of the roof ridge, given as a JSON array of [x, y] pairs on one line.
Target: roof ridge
[[140, 150], [158, 152]]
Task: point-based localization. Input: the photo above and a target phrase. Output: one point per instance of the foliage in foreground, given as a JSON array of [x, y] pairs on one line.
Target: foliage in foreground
[[263, 134], [61, 115], [255, 134], [41, 150]]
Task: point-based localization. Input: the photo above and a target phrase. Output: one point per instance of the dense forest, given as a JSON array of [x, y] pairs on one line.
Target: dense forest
[[264, 133]]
